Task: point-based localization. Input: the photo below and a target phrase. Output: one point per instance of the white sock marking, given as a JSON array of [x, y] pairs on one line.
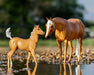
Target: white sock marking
[[11, 64]]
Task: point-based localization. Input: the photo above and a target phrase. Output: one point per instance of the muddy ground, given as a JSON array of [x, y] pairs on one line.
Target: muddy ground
[[50, 54]]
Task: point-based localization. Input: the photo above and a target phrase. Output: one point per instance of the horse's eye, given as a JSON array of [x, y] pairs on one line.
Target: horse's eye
[[51, 26]]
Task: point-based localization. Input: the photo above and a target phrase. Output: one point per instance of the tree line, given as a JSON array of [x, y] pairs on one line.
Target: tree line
[[23, 13]]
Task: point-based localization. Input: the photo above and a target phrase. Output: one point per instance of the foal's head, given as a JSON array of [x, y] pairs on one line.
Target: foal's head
[[49, 27], [38, 30]]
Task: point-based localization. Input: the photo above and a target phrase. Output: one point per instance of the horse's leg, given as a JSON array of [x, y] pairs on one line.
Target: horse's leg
[[80, 48], [10, 58], [65, 52], [29, 55], [71, 49], [34, 56], [60, 50]]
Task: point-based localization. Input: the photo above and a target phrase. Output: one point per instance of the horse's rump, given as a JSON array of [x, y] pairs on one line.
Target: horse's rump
[[81, 26]]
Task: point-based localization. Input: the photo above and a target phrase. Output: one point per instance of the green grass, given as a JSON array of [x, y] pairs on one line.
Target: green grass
[[86, 42], [52, 42], [47, 42], [4, 42]]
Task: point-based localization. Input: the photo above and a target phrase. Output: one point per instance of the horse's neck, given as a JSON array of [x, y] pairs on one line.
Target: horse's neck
[[60, 24], [34, 37]]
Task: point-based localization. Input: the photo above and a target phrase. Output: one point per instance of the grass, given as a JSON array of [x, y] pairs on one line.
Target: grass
[[4, 42], [52, 42], [86, 42]]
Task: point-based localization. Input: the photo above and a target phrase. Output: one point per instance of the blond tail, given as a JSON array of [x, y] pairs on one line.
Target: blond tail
[[8, 33], [77, 49]]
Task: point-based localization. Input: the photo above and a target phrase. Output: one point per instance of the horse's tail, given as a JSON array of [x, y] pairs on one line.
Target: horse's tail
[[8, 33], [77, 49]]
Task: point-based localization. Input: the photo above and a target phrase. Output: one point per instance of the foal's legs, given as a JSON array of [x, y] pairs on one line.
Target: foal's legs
[[10, 58], [65, 52], [80, 48], [34, 56], [60, 50], [71, 49], [29, 55]]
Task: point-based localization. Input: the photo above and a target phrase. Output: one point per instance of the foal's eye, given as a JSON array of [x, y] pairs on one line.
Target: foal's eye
[[38, 28]]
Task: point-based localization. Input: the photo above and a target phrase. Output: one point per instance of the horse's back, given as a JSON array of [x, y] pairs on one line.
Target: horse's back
[[73, 20], [17, 42], [78, 22]]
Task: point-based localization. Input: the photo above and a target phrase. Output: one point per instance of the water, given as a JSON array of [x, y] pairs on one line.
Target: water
[[20, 68]]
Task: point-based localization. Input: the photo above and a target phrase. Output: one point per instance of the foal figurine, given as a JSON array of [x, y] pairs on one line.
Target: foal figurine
[[24, 44], [66, 31]]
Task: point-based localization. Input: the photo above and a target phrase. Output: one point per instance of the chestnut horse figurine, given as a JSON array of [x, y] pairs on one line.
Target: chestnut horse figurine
[[24, 44], [66, 31]]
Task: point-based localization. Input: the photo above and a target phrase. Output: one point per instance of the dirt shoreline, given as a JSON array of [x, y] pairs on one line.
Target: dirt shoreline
[[50, 54]]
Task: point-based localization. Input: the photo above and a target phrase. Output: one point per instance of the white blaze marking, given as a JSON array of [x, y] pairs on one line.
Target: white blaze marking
[[49, 21]]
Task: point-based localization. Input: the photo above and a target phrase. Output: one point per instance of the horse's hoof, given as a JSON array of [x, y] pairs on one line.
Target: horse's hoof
[[64, 62], [68, 61]]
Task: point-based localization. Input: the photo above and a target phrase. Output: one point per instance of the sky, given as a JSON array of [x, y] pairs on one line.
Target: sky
[[89, 9]]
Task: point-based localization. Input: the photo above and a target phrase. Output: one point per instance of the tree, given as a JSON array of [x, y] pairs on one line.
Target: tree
[[24, 12]]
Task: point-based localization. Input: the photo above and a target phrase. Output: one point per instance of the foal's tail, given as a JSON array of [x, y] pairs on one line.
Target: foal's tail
[[8, 33], [77, 49]]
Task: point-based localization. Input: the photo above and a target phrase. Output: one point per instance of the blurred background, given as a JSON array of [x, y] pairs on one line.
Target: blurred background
[[22, 15]]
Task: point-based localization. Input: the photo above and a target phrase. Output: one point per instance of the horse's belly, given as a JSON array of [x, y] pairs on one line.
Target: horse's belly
[[64, 36], [23, 45]]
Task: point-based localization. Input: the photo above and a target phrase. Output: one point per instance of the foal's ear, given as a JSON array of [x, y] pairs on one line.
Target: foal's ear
[[38, 26], [47, 18], [34, 25]]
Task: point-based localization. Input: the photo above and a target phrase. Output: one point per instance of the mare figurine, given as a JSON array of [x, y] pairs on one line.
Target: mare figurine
[[24, 44], [66, 31]]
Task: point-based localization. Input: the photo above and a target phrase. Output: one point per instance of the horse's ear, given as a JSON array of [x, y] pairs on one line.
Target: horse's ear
[[50, 18], [47, 18]]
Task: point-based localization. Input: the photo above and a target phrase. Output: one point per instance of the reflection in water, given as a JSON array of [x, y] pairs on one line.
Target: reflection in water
[[34, 71], [19, 68], [10, 71], [77, 69]]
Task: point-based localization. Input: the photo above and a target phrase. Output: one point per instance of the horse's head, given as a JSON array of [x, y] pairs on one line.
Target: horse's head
[[49, 27], [39, 30]]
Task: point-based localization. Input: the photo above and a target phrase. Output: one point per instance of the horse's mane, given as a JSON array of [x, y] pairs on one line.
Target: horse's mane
[[60, 20], [60, 23]]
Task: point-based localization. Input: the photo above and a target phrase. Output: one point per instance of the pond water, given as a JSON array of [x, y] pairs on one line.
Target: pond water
[[19, 68]]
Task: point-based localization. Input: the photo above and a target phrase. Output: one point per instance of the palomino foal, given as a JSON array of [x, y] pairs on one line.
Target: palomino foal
[[66, 31], [24, 44]]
